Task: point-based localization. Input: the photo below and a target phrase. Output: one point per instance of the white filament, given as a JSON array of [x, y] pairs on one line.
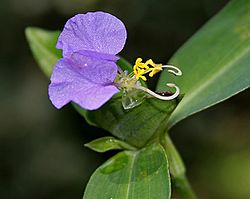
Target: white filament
[[177, 92], [176, 70]]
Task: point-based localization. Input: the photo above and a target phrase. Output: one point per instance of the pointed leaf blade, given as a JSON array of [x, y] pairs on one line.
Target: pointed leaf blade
[[215, 61]]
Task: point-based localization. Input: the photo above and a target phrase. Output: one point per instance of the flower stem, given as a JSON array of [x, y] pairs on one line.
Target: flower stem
[[177, 169]]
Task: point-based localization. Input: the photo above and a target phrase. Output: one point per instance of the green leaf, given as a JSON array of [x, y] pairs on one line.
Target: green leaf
[[132, 175], [42, 44], [108, 143], [215, 61]]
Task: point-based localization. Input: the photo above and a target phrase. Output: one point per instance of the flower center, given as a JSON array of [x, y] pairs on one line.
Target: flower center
[[134, 92]]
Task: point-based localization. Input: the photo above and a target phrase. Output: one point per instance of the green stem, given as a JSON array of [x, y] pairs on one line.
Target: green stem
[[177, 169], [183, 188]]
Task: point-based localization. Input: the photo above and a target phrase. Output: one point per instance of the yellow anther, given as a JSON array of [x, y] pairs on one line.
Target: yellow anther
[[157, 68], [139, 73], [140, 64], [150, 62], [140, 68]]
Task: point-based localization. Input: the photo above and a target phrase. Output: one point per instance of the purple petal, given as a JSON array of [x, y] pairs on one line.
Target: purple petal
[[86, 81], [95, 31], [97, 55]]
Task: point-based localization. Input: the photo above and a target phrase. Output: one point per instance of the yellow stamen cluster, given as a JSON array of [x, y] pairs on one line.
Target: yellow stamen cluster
[[140, 68]]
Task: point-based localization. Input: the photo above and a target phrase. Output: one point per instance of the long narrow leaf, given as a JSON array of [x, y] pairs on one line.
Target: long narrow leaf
[[215, 61]]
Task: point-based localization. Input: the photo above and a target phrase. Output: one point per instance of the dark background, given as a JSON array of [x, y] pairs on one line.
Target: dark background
[[41, 149]]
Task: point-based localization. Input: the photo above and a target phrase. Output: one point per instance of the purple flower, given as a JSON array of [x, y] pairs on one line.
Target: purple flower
[[86, 73]]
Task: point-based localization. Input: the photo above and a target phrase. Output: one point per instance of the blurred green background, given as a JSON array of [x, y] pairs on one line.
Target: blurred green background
[[41, 148]]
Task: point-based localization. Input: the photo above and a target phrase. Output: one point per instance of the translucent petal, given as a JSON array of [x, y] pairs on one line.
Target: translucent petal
[[132, 98]]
